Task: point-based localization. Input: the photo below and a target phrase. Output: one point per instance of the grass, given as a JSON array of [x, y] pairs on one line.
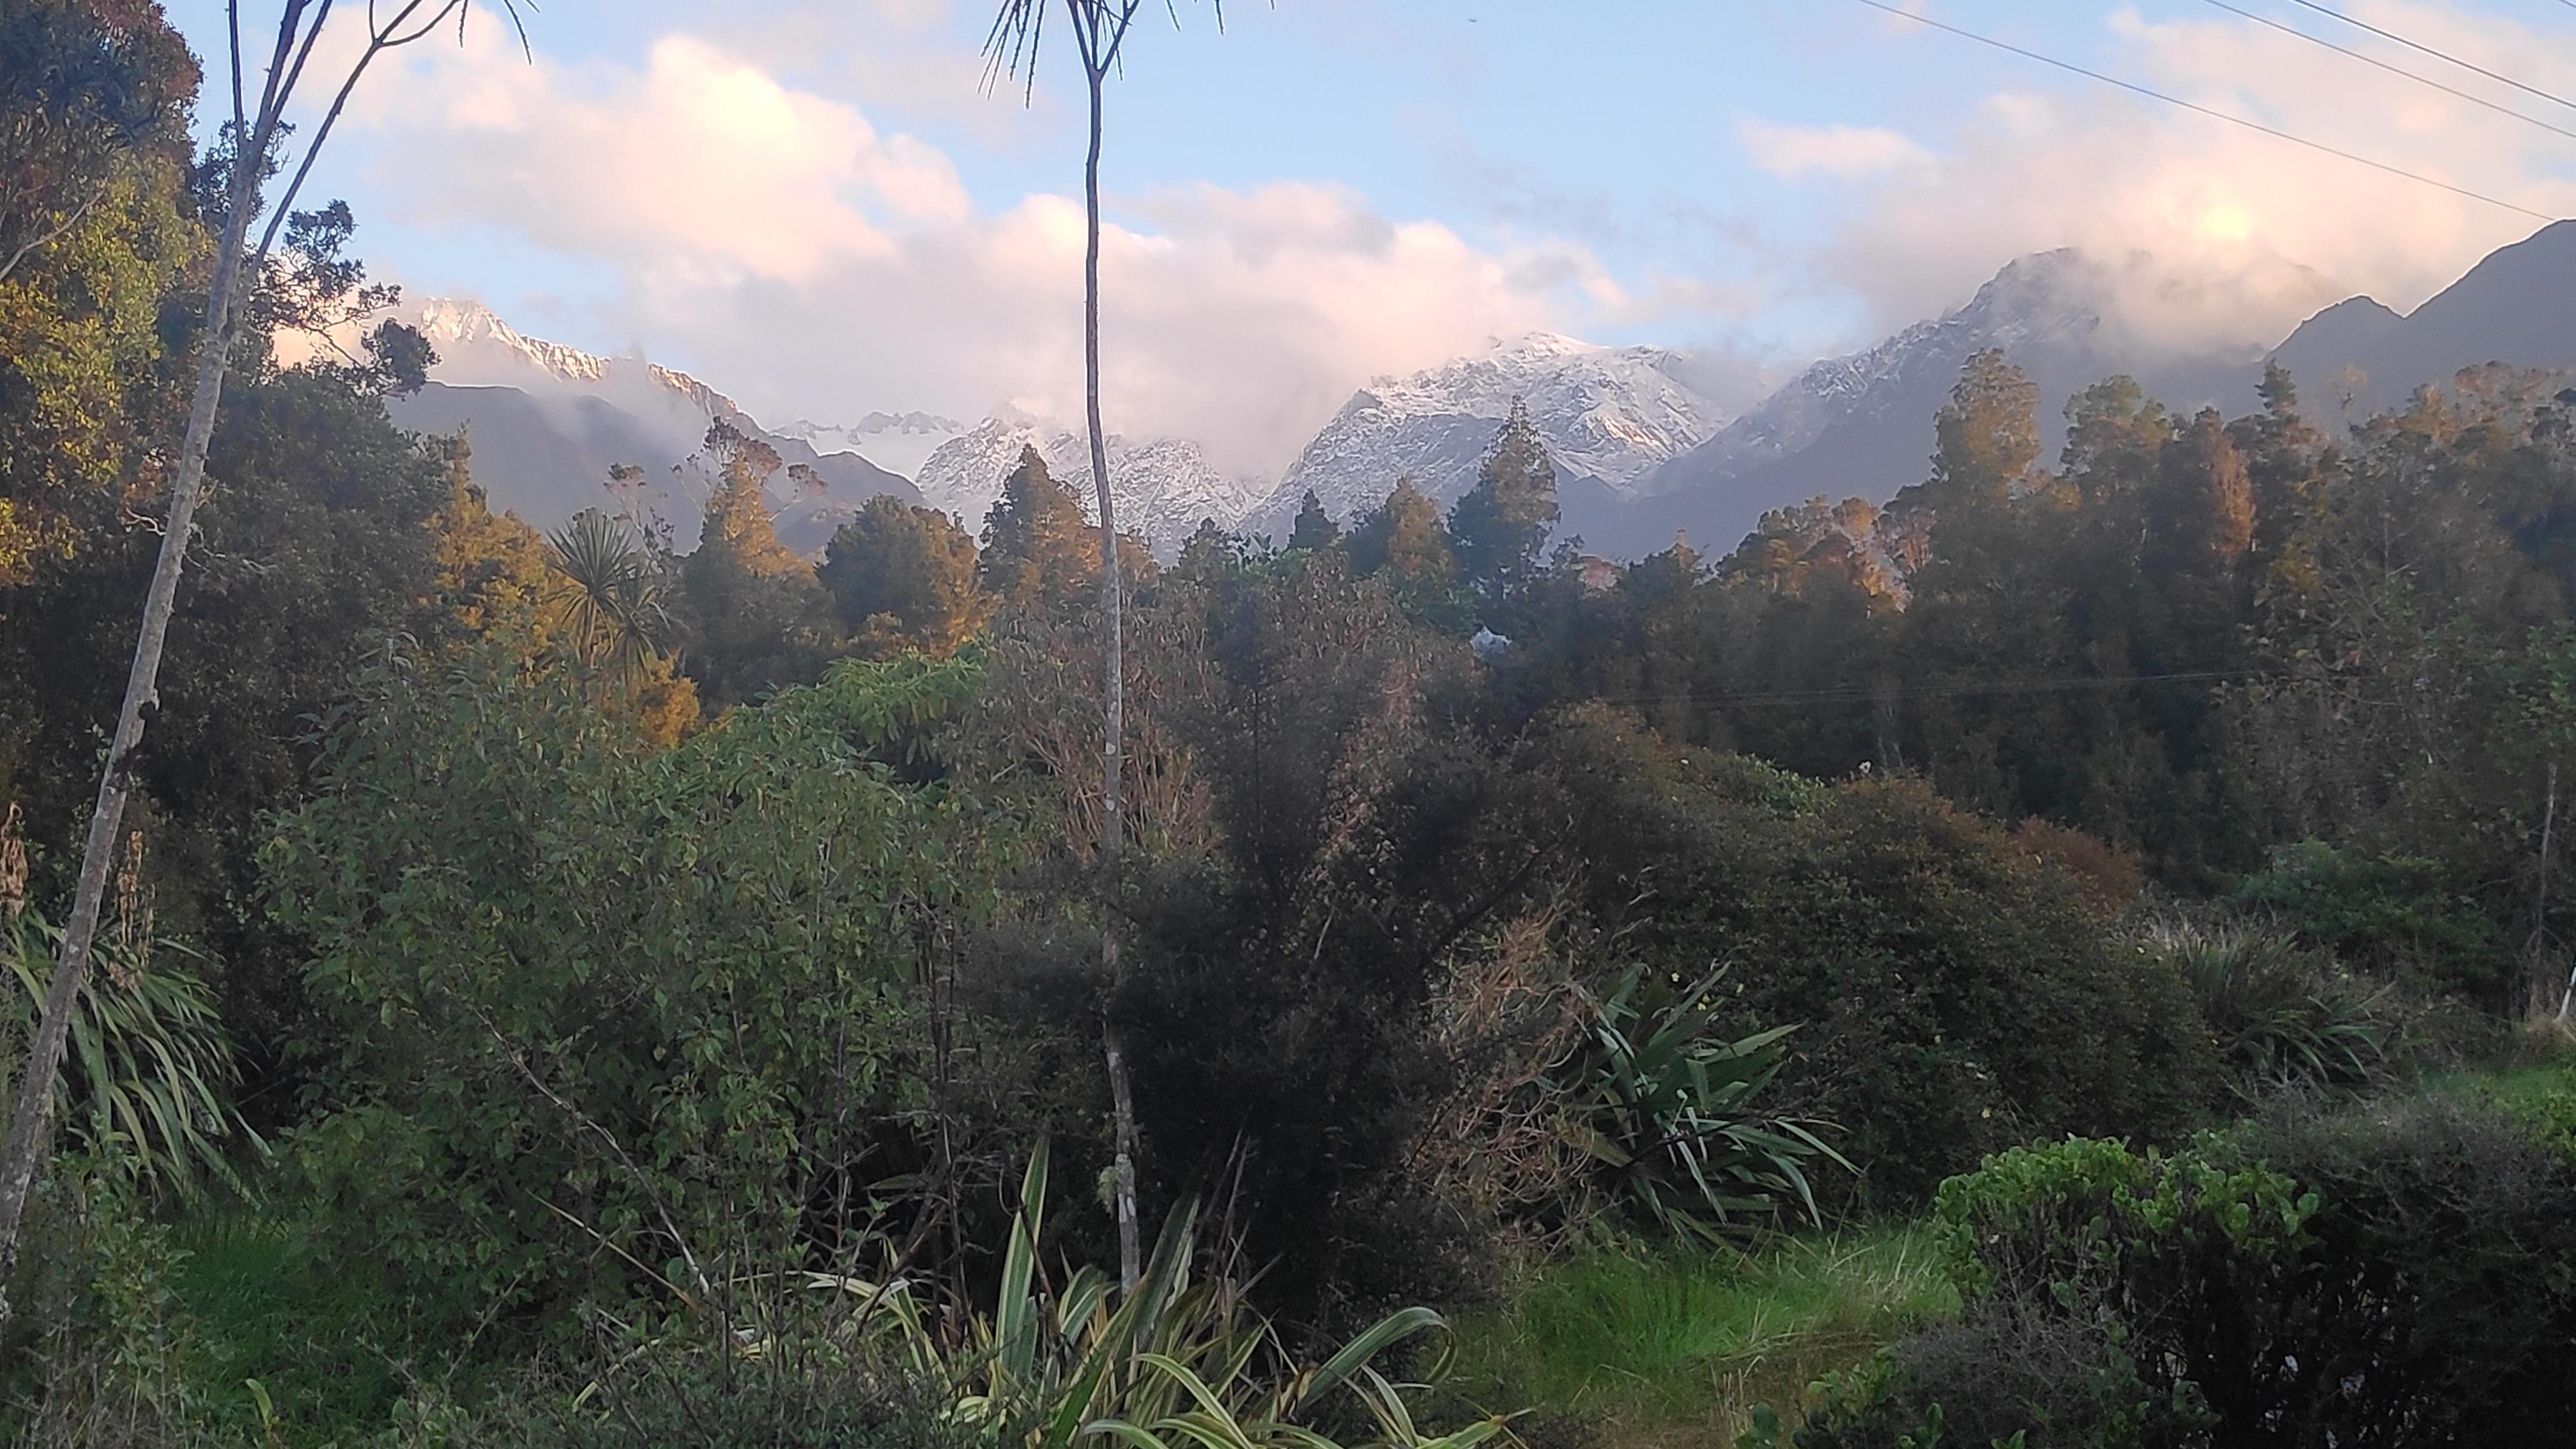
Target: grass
[[1676, 1348], [329, 1345]]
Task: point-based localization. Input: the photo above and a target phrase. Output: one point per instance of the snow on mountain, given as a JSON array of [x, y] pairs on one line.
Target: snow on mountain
[[1163, 487], [547, 421], [896, 442], [1611, 415]]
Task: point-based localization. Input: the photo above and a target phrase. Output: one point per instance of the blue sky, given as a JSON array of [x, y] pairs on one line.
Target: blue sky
[[1328, 188]]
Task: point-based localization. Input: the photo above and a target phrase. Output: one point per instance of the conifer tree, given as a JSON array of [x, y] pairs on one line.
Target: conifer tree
[[1402, 540], [1499, 528], [2201, 518], [1036, 541], [492, 569], [753, 610], [1315, 528]]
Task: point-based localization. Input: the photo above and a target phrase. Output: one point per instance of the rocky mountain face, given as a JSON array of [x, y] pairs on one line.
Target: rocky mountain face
[[1162, 487], [1611, 416], [545, 422]]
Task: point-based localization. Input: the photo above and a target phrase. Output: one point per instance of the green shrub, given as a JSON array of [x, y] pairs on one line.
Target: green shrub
[[2001, 1375], [1959, 994], [2401, 916], [98, 1348], [615, 1016], [2389, 1274]]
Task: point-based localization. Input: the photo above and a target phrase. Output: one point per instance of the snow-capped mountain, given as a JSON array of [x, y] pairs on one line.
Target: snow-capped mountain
[[1163, 487], [896, 442], [1610, 415], [545, 422], [1863, 424]]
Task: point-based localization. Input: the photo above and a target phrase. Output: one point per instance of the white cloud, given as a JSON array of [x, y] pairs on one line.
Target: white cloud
[[2250, 234], [1839, 151], [784, 248]]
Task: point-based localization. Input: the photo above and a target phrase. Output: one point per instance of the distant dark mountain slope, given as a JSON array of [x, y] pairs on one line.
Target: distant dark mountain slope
[[2516, 307], [543, 461], [1862, 424], [547, 459], [548, 421]]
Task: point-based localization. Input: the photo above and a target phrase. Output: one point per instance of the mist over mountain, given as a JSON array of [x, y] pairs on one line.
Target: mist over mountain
[[1862, 424], [545, 422]]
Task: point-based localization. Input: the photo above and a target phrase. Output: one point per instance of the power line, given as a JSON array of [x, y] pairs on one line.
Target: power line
[[1868, 694], [2436, 54], [2472, 99], [2198, 109]]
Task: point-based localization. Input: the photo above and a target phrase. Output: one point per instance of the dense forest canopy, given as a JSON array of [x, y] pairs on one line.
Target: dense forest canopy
[[577, 989]]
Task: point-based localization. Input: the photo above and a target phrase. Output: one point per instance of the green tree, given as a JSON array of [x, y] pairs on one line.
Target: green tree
[[755, 618], [2201, 518], [1315, 528], [1402, 539], [89, 91], [608, 607], [904, 578], [494, 571], [97, 232], [1987, 437], [1036, 542], [254, 150], [1499, 527]]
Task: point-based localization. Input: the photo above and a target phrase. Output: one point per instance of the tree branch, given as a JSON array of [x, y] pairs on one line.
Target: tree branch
[[54, 233]]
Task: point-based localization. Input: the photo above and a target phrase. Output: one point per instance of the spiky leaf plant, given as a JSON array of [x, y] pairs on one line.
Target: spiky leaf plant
[[150, 1064], [1180, 1361], [1669, 1109]]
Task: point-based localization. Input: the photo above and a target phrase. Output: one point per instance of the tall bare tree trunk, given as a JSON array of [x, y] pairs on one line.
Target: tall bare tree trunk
[[2536, 950], [1113, 827], [31, 1130]]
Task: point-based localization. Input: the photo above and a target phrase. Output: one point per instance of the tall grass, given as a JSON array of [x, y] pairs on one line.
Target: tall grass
[[1676, 1348]]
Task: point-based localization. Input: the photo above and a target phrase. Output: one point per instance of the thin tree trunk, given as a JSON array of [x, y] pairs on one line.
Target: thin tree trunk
[[2537, 952], [31, 1131], [1113, 828]]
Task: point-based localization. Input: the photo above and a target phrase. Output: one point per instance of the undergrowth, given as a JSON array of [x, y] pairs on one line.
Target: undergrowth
[[1645, 1351]]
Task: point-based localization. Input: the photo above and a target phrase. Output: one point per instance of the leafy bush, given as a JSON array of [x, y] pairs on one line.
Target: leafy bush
[[2386, 1274], [2403, 916], [1668, 1112], [1959, 994], [2284, 1014], [616, 1016], [96, 1351]]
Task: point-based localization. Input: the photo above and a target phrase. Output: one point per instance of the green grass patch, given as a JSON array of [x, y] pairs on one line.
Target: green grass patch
[[325, 1340], [1676, 1348]]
